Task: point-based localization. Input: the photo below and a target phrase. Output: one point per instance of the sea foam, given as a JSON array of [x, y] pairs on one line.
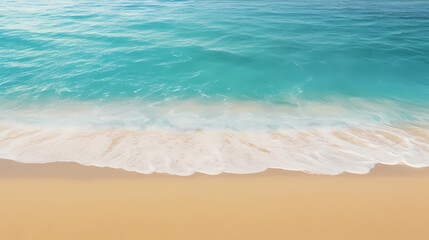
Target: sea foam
[[249, 139]]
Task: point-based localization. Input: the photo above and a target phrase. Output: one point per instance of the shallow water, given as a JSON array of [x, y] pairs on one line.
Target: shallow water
[[215, 86]]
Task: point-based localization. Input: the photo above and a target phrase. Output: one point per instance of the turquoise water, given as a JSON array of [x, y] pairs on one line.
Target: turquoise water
[[176, 67]]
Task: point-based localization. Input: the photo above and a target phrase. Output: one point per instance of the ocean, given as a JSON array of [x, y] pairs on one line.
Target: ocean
[[179, 87]]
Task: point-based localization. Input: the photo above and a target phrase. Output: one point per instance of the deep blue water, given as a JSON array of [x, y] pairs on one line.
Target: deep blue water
[[270, 50]]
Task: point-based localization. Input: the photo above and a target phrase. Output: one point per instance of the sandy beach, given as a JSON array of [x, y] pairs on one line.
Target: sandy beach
[[70, 201], [214, 120]]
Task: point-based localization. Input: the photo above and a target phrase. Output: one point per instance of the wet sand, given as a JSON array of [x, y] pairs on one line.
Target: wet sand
[[70, 201]]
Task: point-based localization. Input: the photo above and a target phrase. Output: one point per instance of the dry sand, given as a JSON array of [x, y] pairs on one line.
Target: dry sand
[[70, 201]]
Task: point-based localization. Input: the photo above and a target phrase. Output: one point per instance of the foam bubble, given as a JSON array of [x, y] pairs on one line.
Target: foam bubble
[[236, 137], [320, 150]]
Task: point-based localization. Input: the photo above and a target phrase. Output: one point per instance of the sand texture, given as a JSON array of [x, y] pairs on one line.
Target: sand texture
[[70, 201]]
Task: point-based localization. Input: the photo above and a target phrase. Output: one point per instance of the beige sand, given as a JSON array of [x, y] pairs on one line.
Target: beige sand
[[69, 201]]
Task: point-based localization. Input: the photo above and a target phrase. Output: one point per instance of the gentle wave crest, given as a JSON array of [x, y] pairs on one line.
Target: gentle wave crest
[[320, 151], [186, 137]]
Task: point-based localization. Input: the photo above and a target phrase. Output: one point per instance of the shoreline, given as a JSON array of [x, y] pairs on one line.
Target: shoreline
[[71, 201], [73, 170], [320, 150]]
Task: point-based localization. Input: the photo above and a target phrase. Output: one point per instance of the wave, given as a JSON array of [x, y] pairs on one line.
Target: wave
[[319, 151], [250, 138]]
